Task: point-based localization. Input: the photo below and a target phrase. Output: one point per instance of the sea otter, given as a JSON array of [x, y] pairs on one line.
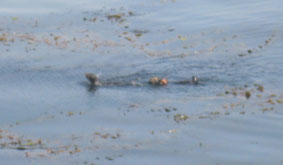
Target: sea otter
[[93, 79], [158, 81]]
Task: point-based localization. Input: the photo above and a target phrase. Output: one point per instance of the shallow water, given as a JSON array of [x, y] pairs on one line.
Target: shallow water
[[233, 47]]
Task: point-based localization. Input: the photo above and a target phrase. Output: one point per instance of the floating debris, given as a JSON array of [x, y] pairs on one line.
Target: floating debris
[[18, 143], [138, 34], [21, 148], [15, 18], [115, 17], [182, 38], [3, 39], [56, 38], [70, 113], [129, 39], [180, 117], [203, 117], [109, 158], [107, 135], [167, 109], [270, 101], [214, 113], [248, 94], [267, 109], [75, 150], [172, 131], [131, 13], [260, 88], [242, 55]]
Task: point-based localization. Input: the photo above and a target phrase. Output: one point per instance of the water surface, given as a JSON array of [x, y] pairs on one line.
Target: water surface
[[50, 116]]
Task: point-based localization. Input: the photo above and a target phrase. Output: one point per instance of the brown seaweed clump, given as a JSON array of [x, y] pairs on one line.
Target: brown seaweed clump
[[248, 94]]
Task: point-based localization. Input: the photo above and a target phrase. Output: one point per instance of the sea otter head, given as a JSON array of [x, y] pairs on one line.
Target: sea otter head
[[195, 80], [92, 78]]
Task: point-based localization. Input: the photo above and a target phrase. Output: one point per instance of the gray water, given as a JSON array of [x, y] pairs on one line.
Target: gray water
[[50, 116]]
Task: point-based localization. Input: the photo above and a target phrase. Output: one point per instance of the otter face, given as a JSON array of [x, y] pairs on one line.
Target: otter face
[[91, 77], [163, 81], [195, 80]]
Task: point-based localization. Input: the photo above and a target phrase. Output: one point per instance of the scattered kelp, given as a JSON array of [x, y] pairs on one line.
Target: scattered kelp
[[261, 98], [180, 117], [39, 148], [120, 17], [259, 47], [106, 135], [189, 44], [11, 141]]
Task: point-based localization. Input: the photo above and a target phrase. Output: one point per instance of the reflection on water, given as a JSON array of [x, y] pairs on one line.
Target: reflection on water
[[49, 112]]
